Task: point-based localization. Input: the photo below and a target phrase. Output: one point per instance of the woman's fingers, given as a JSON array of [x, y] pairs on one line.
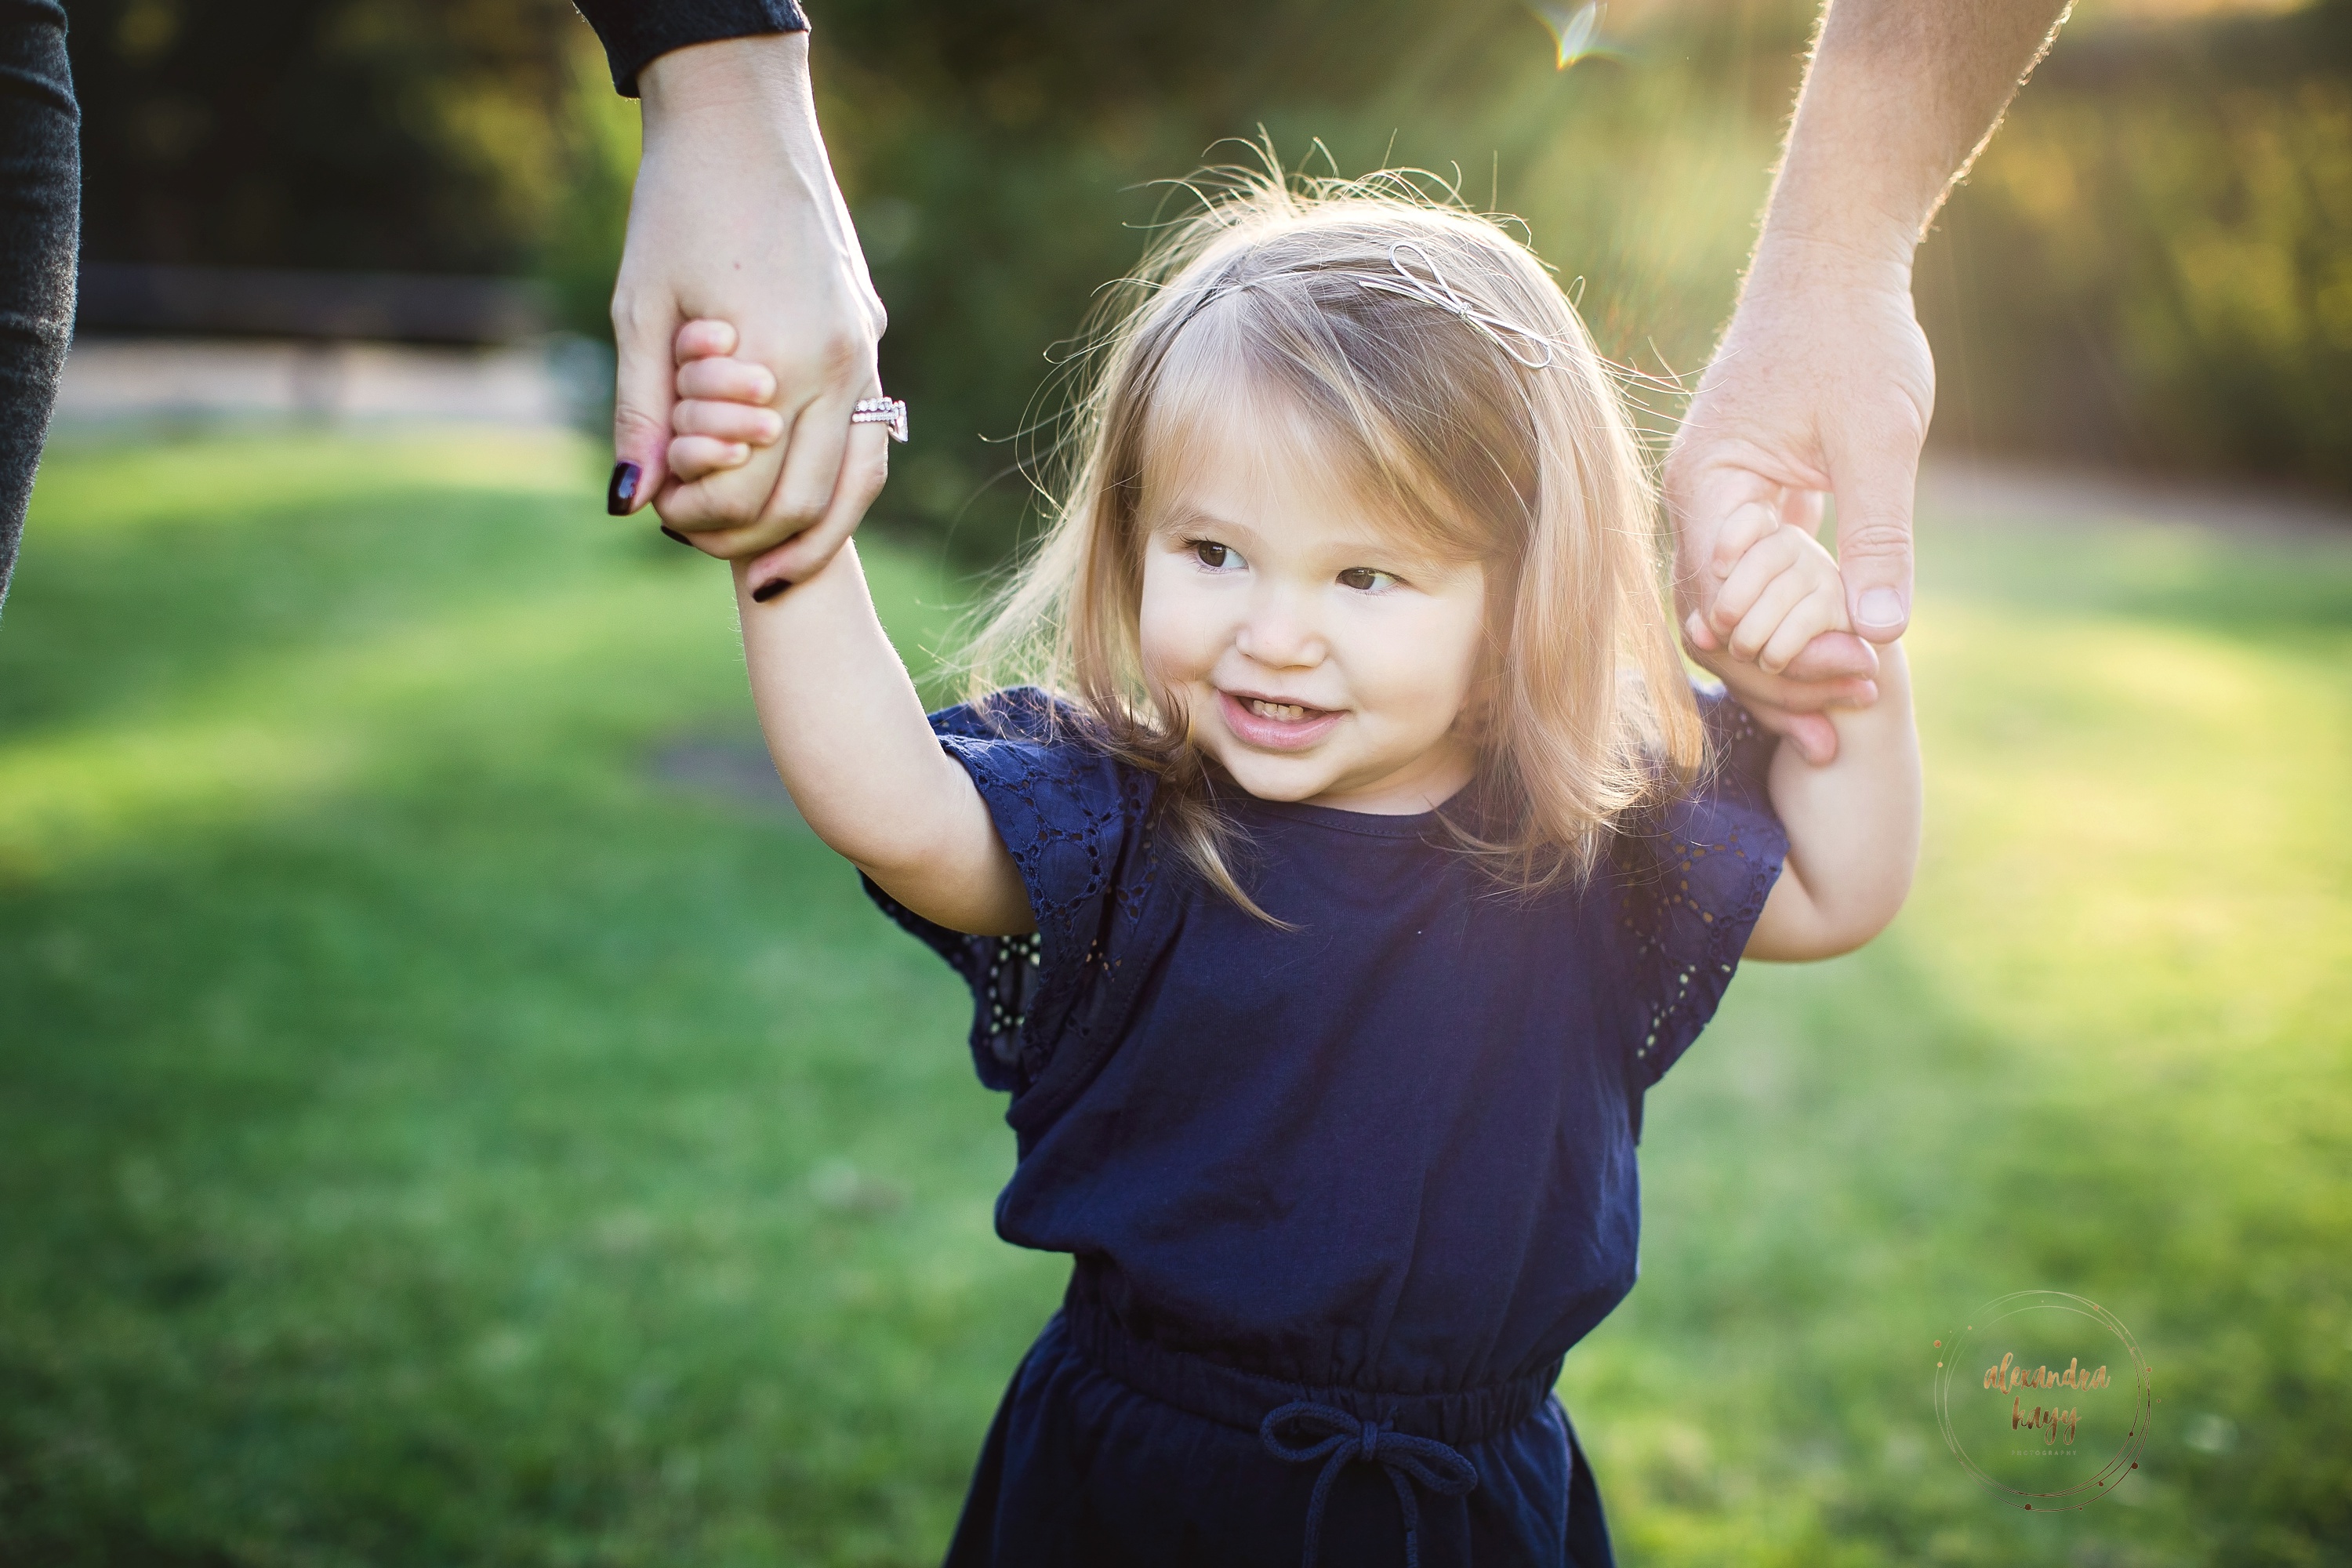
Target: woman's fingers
[[644, 323], [814, 464], [866, 464]]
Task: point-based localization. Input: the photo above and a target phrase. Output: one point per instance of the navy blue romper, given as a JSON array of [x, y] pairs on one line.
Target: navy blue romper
[[1338, 1198]]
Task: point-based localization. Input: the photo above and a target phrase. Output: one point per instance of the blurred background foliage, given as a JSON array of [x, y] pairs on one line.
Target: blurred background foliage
[[2152, 265]]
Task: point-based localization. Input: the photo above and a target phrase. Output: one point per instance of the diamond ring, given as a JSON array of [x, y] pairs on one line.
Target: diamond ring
[[891, 411]]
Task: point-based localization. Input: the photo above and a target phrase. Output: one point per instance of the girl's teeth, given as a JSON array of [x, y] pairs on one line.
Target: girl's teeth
[[1265, 709]]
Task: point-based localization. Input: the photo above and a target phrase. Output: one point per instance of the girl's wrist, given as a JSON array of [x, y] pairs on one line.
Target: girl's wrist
[[1890, 714]]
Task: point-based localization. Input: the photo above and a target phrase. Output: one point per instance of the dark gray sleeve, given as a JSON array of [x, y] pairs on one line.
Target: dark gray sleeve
[[40, 227], [635, 31]]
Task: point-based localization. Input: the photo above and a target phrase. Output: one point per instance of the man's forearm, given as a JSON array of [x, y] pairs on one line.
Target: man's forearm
[[1899, 97]]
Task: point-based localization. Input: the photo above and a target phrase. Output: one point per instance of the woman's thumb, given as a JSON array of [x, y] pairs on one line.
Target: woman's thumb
[[1873, 516], [645, 390]]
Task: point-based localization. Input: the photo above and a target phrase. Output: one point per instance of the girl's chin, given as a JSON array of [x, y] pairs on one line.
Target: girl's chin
[[1273, 777]]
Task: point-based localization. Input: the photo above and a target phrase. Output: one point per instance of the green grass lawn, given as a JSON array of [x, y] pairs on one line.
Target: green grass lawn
[[428, 1136]]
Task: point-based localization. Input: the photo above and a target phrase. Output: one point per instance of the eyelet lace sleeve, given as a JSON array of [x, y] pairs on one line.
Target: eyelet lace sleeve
[[1694, 878], [1075, 821]]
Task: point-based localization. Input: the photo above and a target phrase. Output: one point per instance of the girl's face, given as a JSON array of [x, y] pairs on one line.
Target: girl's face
[[1320, 655]]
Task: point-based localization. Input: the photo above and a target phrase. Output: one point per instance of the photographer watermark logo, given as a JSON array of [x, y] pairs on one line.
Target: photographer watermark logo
[[2045, 1396]]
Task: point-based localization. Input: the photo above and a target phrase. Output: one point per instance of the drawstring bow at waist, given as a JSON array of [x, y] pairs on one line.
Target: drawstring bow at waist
[[1408, 1461], [1416, 1439]]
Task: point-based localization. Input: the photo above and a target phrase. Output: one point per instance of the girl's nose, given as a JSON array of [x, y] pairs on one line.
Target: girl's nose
[[1278, 636]]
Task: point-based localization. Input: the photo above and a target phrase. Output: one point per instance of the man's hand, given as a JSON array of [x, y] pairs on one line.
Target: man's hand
[[1824, 384], [736, 217]]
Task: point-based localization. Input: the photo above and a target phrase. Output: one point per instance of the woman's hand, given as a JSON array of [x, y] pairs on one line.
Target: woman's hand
[[737, 219], [720, 423]]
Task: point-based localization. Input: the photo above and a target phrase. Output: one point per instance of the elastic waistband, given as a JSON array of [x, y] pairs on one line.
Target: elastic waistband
[[1236, 1398]]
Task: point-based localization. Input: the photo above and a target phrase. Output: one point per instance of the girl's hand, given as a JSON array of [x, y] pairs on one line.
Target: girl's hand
[[721, 412], [1779, 589]]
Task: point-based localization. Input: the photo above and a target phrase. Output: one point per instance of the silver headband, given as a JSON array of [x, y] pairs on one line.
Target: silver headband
[[1435, 290]]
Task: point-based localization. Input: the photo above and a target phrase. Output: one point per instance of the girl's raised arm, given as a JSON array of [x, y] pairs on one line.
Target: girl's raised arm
[[1852, 825], [849, 738], [1853, 822]]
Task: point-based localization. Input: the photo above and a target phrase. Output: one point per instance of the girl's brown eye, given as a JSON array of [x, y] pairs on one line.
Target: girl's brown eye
[[1363, 579], [1210, 554]]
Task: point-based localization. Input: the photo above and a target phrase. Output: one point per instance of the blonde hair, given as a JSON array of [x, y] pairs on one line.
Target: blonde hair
[[1508, 446]]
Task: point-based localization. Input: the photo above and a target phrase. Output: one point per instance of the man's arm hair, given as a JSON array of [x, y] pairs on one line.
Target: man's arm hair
[[1899, 96]]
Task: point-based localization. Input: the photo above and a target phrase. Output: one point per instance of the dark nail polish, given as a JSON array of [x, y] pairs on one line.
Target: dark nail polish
[[676, 535], [767, 591], [622, 493]]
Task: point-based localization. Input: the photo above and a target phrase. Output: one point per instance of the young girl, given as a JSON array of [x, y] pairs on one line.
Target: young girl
[[1360, 856]]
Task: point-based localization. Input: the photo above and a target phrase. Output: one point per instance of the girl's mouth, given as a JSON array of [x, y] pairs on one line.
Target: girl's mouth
[[1273, 726]]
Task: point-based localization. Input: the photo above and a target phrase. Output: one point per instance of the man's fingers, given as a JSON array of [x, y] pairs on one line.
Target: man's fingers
[[1752, 684], [1802, 509], [641, 330], [1874, 482], [1835, 655]]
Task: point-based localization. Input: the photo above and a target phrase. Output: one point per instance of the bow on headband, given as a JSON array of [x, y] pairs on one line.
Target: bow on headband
[[1435, 290]]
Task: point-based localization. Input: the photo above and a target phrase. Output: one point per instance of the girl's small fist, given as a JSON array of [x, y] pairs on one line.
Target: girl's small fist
[[721, 413], [1784, 592]]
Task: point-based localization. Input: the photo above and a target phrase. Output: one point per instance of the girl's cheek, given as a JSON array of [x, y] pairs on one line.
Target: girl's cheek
[[1437, 684], [1187, 618], [1166, 636]]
